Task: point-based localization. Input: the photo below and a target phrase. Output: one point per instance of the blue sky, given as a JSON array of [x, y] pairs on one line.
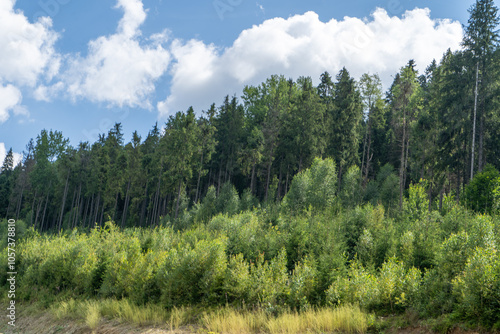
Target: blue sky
[[81, 66]]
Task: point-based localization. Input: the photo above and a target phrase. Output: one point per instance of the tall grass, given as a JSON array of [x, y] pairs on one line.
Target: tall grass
[[345, 319], [122, 310], [93, 315]]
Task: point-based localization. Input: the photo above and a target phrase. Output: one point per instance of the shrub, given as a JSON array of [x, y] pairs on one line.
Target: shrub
[[314, 187], [269, 281], [352, 191], [358, 287], [303, 284], [193, 274], [478, 287], [479, 193]]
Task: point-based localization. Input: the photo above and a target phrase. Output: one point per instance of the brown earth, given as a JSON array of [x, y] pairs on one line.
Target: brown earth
[[46, 324]]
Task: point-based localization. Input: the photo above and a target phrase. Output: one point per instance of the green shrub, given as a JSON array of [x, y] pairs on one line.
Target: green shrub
[[416, 207], [193, 274], [269, 279], [228, 201], [303, 284], [352, 191], [314, 187], [479, 194], [478, 287], [237, 281]]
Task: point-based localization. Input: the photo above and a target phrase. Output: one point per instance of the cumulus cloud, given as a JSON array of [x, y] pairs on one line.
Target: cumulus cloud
[[120, 69], [27, 54], [27, 48], [304, 45], [3, 152], [10, 98]]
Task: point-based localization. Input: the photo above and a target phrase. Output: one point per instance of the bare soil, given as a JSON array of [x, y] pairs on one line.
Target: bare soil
[[46, 324]]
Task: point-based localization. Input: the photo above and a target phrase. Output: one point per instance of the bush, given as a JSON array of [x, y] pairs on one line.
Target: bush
[[352, 191], [479, 194], [269, 279], [314, 187], [359, 287], [478, 287], [303, 284], [193, 274]]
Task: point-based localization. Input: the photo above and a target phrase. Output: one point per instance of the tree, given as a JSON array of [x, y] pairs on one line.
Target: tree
[[405, 103], [371, 93], [180, 147], [344, 122], [480, 40], [8, 162]]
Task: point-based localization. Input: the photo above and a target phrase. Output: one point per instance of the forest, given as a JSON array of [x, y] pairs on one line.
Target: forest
[[289, 197]]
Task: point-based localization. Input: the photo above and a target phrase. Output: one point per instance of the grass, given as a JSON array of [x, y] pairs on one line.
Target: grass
[[92, 315], [345, 319], [121, 310]]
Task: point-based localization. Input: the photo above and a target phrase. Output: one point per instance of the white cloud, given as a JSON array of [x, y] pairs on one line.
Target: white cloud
[[120, 69], [27, 54], [10, 98], [303, 45], [27, 48], [3, 152]]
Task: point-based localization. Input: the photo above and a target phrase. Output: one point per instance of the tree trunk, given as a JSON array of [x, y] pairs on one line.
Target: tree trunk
[[278, 195], [286, 183], [365, 140], [45, 209], [156, 205], [368, 156], [19, 204], [39, 206], [73, 209], [33, 210], [79, 203], [474, 123], [199, 179], [178, 200], [268, 181], [96, 209], [218, 183], [125, 207], [402, 163], [252, 179], [116, 206], [63, 203], [406, 160], [91, 210], [86, 211], [481, 140], [143, 209]]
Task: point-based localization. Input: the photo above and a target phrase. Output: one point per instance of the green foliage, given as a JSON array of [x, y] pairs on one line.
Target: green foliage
[[416, 207], [314, 187], [303, 284], [228, 201], [269, 287], [358, 287], [478, 287], [351, 193], [392, 288], [479, 194]]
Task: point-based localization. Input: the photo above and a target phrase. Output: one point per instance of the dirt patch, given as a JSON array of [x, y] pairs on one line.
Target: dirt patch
[[46, 324]]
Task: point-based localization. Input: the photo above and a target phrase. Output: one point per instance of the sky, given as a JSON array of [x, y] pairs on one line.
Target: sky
[[81, 66]]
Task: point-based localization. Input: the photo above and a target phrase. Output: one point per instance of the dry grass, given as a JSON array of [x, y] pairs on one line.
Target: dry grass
[[122, 310], [92, 315], [231, 321], [345, 319]]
